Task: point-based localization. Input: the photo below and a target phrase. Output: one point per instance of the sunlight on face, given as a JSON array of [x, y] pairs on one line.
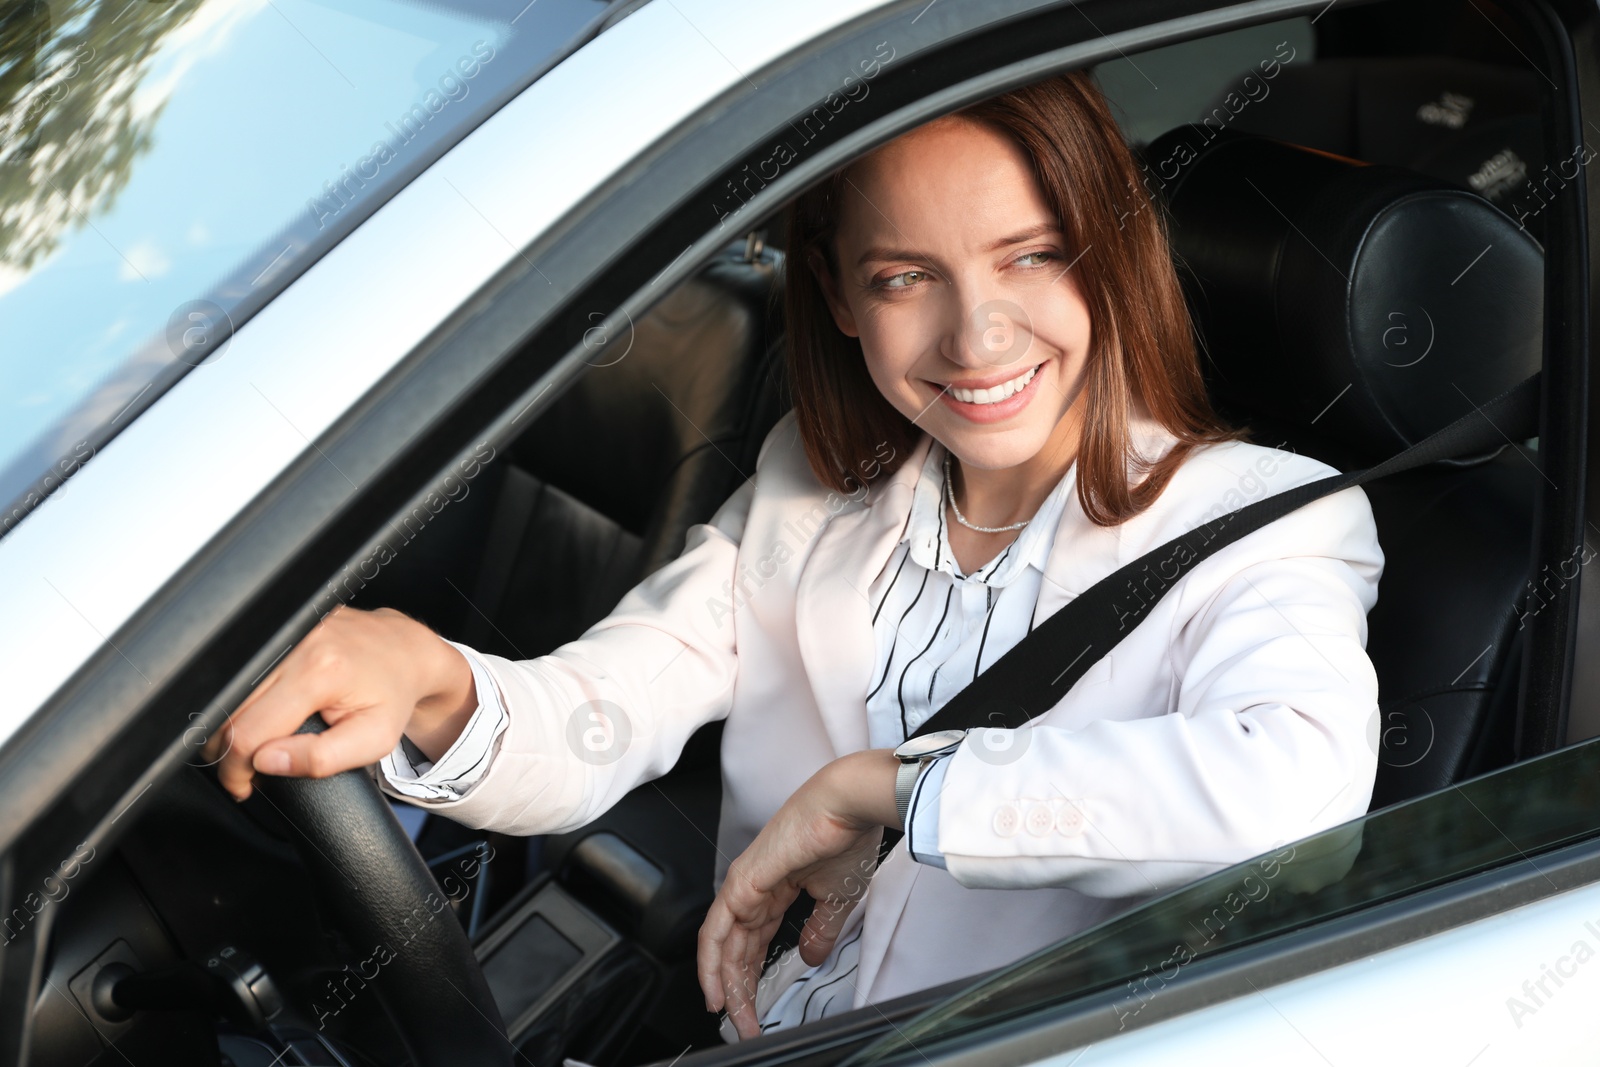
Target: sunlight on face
[[953, 273]]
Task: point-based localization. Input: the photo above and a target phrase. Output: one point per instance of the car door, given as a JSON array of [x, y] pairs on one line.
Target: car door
[[1455, 928]]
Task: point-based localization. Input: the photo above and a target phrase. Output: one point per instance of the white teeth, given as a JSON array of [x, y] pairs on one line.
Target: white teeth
[[997, 393]]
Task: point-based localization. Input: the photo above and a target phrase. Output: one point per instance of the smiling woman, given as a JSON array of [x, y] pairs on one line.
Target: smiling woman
[[991, 280], [1050, 159], [997, 404]]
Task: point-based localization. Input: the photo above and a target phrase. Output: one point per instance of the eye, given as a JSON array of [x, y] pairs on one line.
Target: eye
[[1035, 259], [903, 279]]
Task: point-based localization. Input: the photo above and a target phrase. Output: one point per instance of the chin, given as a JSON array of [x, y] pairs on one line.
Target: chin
[[996, 449]]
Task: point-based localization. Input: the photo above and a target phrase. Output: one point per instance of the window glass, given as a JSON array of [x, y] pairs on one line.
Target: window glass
[[1153, 91], [1501, 818], [167, 165]]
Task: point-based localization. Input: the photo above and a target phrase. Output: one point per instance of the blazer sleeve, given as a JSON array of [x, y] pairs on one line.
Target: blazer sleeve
[[612, 709], [1268, 740]]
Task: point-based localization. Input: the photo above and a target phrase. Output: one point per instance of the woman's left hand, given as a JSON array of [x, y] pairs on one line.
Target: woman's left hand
[[823, 840]]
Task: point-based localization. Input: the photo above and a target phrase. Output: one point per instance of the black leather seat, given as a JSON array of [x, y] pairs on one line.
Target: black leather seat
[[641, 447], [1471, 123], [1347, 310], [601, 490]]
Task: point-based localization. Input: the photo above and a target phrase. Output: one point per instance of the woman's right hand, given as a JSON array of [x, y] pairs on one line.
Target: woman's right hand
[[374, 675]]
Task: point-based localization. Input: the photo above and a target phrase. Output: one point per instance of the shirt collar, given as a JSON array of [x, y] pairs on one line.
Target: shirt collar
[[929, 540]]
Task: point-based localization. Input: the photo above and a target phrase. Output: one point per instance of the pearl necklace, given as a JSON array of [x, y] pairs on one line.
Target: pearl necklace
[[950, 489]]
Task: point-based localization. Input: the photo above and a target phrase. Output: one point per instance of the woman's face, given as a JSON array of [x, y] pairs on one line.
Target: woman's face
[[954, 274]]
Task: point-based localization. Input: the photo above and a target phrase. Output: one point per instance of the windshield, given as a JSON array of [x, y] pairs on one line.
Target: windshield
[[167, 166], [1512, 814]]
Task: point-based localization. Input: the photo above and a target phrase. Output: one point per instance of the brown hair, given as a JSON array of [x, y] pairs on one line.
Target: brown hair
[[1142, 346]]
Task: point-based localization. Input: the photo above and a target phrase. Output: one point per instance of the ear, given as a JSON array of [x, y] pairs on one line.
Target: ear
[[843, 317]]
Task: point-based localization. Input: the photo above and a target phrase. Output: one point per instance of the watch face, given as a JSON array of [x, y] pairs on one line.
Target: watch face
[[928, 744]]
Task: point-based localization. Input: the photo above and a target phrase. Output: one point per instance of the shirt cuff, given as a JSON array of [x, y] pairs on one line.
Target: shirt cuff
[[412, 775], [922, 816]]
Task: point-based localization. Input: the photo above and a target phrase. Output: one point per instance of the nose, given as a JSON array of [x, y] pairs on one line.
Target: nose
[[984, 329]]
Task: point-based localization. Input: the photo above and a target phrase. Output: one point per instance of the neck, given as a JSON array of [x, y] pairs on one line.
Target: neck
[[1014, 494]]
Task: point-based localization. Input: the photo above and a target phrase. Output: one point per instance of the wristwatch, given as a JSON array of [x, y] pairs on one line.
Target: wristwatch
[[914, 754]]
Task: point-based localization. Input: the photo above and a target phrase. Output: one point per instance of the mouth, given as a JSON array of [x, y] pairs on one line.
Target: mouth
[[995, 393], [991, 401]]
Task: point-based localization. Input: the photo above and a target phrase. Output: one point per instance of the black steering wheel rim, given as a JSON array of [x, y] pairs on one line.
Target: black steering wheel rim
[[382, 894]]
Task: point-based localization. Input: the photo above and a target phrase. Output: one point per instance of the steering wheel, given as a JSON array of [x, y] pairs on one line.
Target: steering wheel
[[382, 893]]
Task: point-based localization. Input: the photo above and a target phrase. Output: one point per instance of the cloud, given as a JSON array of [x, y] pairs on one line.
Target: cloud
[[11, 277], [204, 34], [143, 261]]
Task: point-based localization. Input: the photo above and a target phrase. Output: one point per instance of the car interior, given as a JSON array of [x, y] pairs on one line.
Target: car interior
[[1384, 158]]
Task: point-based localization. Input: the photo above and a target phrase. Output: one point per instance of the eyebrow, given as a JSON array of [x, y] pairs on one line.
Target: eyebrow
[[881, 253]]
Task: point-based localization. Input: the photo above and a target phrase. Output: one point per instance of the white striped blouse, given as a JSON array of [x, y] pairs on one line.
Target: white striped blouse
[[935, 630]]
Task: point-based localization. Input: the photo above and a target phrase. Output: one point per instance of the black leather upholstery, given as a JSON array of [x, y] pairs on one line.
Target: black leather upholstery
[[611, 477], [601, 491], [1346, 311], [1471, 123]]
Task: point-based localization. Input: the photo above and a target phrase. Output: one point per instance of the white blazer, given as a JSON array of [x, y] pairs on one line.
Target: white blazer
[[1235, 718]]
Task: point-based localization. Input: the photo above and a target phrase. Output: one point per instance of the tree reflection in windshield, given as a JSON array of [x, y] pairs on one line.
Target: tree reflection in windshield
[[70, 124]]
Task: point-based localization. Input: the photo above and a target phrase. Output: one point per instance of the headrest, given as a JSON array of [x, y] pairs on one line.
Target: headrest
[[1360, 305]]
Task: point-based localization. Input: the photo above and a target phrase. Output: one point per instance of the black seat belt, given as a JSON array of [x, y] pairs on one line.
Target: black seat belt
[[1037, 672]]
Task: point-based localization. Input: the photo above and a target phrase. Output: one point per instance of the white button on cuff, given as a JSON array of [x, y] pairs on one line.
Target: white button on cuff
[[1069, 820], [1007, 820], [1040, 819]]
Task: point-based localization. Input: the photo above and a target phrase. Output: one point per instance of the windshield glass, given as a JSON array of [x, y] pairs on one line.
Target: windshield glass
[[1511, 814], [166, 166]]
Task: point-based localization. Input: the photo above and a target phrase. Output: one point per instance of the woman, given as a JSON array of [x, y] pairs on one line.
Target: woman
[[997, 403]]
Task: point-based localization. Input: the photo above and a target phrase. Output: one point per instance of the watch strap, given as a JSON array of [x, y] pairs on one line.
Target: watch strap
[[905, 783]]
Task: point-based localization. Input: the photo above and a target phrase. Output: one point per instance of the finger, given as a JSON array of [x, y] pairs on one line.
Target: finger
[[822, 927], [221, 740], [290, 660], [736, 898], [739, 978], [353, 741], [757, 940], [217, 744], [277, 714], [728, 979], [708, 956]]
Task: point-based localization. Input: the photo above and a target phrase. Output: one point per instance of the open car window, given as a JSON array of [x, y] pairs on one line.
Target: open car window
[[1513, 814], [1487, 823]]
